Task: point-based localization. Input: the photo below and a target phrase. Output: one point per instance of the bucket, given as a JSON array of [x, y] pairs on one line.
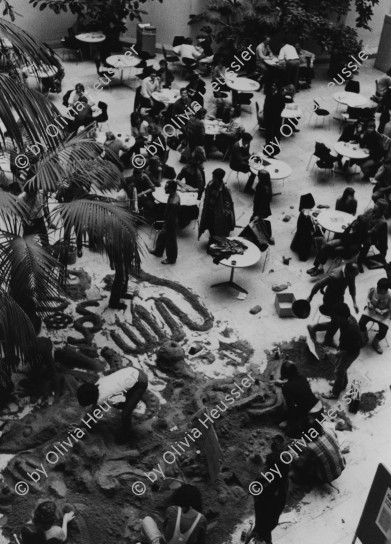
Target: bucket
[[301, 308]]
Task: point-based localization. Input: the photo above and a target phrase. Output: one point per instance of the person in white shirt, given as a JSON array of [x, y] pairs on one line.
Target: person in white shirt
[[188, 53], [149, 85], [292, 63], [122, 389], [262, 53]]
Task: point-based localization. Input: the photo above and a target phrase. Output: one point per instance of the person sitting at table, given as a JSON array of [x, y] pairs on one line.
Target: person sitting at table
[[346, 246], [263, 52], [384, 109], [240, 155], [382, 86], [182, 104], [204, 44], [219, 85], [165, 75], [306, 67], [194, 130], [158, 141], [167, 237], [149, 85], [139, 126], [81, 117], [382, 188], [154, 170], [144, 187], [196, 88], [292, 62], [377, 232], [351, 133], [373, 142], [218, 215], [193, 173], [347, 203], [272, 108], [188, 53], [377, 310], [76, 94]]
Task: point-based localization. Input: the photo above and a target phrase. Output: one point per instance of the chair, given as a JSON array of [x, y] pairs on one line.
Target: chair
[[319, 112], [172, 58], [71, 43], [326, 160], [352, 86]]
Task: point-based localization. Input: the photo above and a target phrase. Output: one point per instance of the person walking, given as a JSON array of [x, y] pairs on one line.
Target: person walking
[[350, 343], [167, 238]]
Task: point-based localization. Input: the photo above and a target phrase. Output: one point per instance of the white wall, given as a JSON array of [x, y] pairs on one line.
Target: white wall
[[371, 38], [44, 25], [170, 18]]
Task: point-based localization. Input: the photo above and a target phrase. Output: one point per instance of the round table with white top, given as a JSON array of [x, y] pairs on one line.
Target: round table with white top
[[272, 62], [241, 84], [250, 256], [214, 127], [187, 198], [121, 62], [334, 220], [277, 169], [166, 96], [91, 37], [291, 113], [351, 150], [353, 100]]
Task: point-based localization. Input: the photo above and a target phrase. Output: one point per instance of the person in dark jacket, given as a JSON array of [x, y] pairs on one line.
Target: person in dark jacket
[[196, 88], [270, 503], [373, 142], [347, 203], [272, 109], [350, 343], [240, 155], [299, 399], [334, 286], [218, 214], [165, 75], [167, 238], [263, 196]]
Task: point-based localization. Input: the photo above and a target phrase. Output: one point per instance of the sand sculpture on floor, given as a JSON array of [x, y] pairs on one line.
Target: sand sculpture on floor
[[81, 464]]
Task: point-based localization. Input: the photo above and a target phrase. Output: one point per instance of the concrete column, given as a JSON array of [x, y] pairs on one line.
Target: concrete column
[[383, 57]]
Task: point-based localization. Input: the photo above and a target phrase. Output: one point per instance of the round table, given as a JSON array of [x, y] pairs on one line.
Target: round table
[[353, 100], [352, 151], [277, 169], [122, 61], [187, 198], [166, 96], [334, 220], [91, 37], [213, 128], [251, 256], [241, 84]]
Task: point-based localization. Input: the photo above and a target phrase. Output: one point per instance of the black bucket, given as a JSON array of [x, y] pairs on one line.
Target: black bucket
[[301, 308]]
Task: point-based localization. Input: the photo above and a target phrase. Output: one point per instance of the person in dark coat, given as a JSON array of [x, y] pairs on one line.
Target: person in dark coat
[[299, 399], [196, 88], [218, 214], [240, 155], [263, 196], [347, 203], [272, 109], [167, 239], [270, 503]]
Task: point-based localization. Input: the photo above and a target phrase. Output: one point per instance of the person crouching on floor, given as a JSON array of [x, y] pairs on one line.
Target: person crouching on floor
[[378, 311], [123, 389]]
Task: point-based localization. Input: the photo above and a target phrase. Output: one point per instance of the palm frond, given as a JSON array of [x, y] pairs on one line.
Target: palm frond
[[78, 160], [110, 226], [26, 49], [12, 210], [17, 334], [28, 272], [24, 111]]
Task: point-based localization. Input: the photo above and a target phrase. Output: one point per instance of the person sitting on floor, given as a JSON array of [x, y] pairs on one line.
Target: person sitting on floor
[[321, 462], [299, 399], [346, 246], [377, 310], [45, 518], [347, 203], [184, 521], [240, 155], [123, 389]]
